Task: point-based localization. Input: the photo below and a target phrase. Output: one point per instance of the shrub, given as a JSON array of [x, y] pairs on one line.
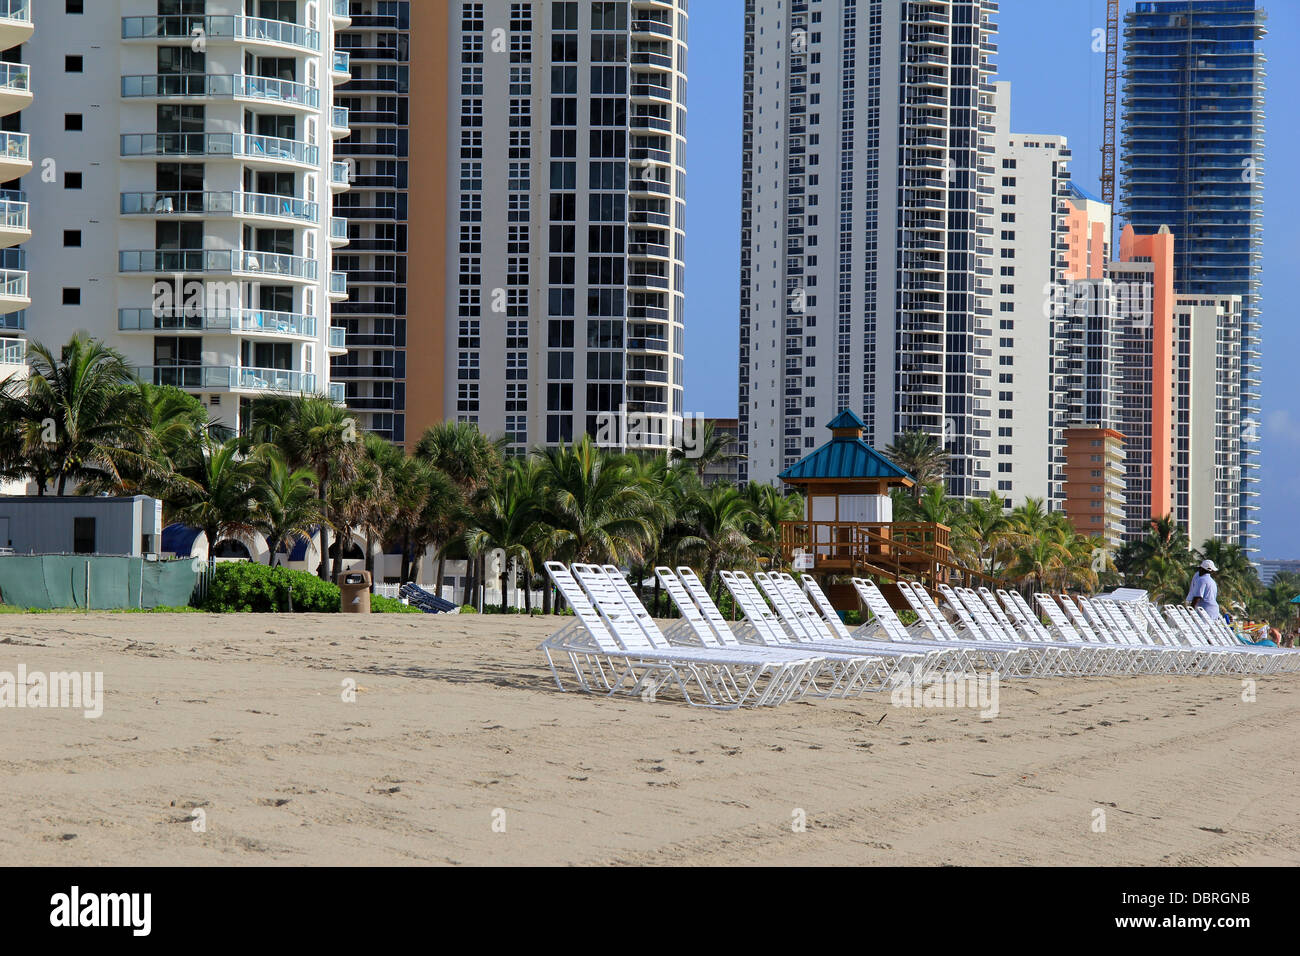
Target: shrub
[[246, 586], [468, 609]]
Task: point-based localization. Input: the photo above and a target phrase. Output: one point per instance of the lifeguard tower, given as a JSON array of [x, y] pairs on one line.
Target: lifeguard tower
[[848, 528]]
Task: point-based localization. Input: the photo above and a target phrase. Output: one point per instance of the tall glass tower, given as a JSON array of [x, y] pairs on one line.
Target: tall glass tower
[[1193, 160]]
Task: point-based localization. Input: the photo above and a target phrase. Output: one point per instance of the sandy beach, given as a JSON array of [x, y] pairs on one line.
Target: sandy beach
[[458, 749]]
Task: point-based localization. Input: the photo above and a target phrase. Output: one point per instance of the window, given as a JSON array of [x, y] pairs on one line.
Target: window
[[72, 122], [75, 6], [83, 535], [72, 180], [72, 297], [72, 238], [72, 64]]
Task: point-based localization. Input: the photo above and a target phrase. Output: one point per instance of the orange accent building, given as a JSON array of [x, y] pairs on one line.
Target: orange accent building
[[1094, 482]]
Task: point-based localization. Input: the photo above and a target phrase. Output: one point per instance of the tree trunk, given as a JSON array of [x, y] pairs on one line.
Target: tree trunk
[[370, 560], [528, 591], [442, 568], [655, 612], [405, 573], [338, 556], [546, 596], [467, 595], [322, 569], [504, 574]]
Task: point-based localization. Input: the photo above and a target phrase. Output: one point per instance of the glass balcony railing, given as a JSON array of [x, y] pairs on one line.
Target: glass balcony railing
[[339, 283], [338, 337], [224, 261], [252, 321], [13, 284], [13, 351], [13, 146], [13, 215], [219, 204], [339, 173], [338, 392], [15, 77], [341, 9], [222, 27], [207, 377], [17, 10], [340, 117], [338, 227], [219, 145], [342, 62], [213, 85]]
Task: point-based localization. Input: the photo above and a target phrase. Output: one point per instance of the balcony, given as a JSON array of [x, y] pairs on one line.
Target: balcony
[[13, 223], [270, 151], [216, 261], [15, 87], [13, 351], [338, 341], [339, 11], [338, 231], [337, 393], [204, 204], [340, 177], [341, 66], [338, 291], [254, 323], [237, 86], [15, 23], [250, 30], [223, 378], [13, 291], [14, 161], [339, 128]]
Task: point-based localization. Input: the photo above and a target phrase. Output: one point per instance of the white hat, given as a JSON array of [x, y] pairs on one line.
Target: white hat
[[1208, 565]]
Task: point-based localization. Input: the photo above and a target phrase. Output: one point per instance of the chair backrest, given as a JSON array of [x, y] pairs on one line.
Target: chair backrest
[[801, 604], [1137, 621], [936, 617], [690, 612], [1102, 614], [1081, 623], [1214, 628], [823, 604], [583, 610], [975, 605], [1183, 625], [634, 605], [963, 613], [880, 609], [801, 623], [760, 617], [1064, 629], [611, 608], [922, 613], [700, 595], [1158, 626], [1095, 620], [1024, 615], [1000, 616]]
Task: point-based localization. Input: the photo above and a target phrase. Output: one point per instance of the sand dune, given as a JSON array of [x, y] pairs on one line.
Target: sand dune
[[459, 749]]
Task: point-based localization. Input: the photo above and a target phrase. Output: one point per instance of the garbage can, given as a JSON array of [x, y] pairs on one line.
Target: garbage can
[[354, 592]]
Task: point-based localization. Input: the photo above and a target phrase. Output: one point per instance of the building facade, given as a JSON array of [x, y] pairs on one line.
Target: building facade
[[867, 167], [1193, 160], [1093, 473], [16, 29], [376, 211], [563, 220], [187, 191]]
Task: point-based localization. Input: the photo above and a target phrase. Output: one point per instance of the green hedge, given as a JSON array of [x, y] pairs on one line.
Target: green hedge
[[245, 586]]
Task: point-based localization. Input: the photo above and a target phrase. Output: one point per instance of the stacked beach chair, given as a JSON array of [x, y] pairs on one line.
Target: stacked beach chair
[[792, 644]]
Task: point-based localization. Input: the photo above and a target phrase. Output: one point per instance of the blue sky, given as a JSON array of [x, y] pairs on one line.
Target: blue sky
[[1045, 50]]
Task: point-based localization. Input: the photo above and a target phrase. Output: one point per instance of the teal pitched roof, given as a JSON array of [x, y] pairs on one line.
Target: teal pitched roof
[[846, 457]]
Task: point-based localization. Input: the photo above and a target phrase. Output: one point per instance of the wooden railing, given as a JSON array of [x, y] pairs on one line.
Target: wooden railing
[[919, 551]]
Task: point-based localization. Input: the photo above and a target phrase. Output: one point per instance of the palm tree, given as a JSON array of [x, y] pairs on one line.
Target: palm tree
[[78, 418], [981, 544], [770, 509], [316, 434], [922, 456], [502, 519], [717, 520], [287, 508], [594, 502], [1237, 578], [471, 460], [1159, 562], [225, 502], [710, 447]]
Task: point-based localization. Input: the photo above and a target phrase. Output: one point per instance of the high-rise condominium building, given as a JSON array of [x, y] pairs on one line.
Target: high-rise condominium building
[[186, 180], [1163, 370], [375, 106], [1031, 185], [549, 219], [15, 161], [865, 253], [1193, 151]]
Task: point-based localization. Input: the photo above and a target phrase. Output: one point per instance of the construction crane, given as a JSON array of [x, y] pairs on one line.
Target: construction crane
[[1112, 78]]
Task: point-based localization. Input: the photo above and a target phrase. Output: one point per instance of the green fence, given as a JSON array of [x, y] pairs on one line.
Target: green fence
[[94, 582]]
